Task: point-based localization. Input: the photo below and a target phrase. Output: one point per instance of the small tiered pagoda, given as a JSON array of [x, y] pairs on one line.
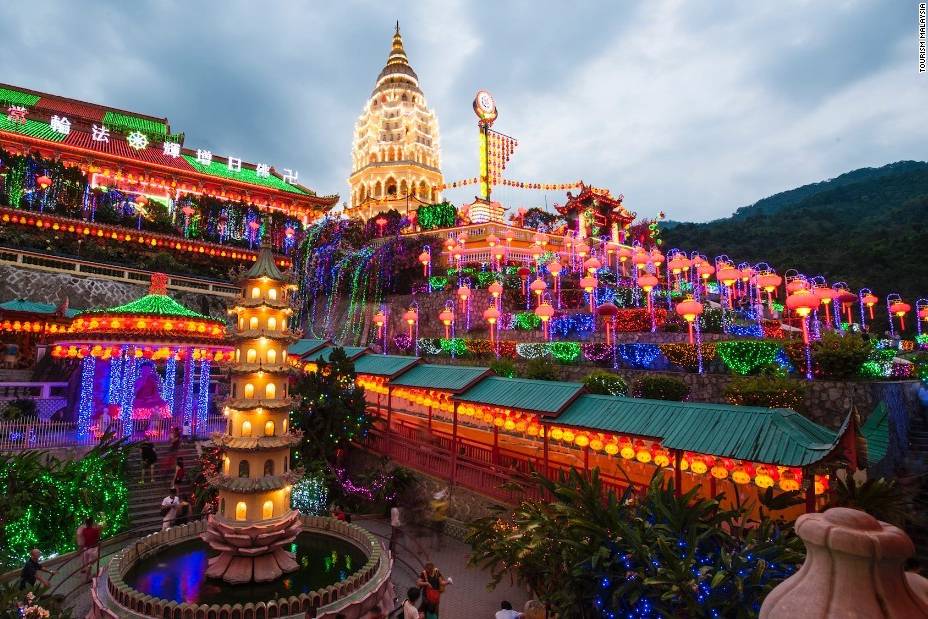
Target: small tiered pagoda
[[595, 212], [255, 519]]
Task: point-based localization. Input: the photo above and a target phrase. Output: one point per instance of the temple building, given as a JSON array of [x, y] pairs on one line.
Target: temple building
[[395, 157], [255, 519]]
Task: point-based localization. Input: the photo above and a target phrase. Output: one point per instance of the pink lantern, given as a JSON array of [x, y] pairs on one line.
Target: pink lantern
[[425, 258], [689, 309], [802, 302], [411, 316], [446, 317], [768, 282], [538, 287], [495, 289], [625, 254], [591, 265], [464, 294], [380, 319], [647, 282], [544, 311], [589, 285], [491, 315]]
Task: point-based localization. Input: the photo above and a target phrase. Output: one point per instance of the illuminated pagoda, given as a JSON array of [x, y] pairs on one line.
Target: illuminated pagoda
[[112, 176], [145, 365], [255, 519], [595, 212], [396, 156]]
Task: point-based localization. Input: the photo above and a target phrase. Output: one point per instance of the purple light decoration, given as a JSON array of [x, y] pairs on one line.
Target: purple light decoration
[[890, 299], [369, 493], [203, 396], [130, 366], [188, 388], [170, 381], [85, 405], [920, 304]]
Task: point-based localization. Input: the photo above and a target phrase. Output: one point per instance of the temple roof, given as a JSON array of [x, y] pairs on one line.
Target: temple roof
[[264, 266], [397, 71]]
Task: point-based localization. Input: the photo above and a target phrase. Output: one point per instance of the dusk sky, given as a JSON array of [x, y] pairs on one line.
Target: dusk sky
[[694, 108]]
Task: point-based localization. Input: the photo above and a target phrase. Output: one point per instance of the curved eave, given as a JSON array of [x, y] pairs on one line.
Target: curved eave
[[125, 337], [92, 157], [276, 335], [251, 485], [251, 368], [262, 443], [245, 405], [248, 303]]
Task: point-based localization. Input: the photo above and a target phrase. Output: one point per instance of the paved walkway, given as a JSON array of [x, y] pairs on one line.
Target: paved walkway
[[468, 597]]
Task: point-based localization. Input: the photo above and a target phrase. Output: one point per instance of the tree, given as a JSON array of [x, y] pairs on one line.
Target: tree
[[538, 219], [591, 553], [331, 410]]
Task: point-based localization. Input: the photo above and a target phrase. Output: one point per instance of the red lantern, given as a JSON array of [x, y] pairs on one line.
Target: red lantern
[[802, 302], [544, 311], [899, 309], [608, 311], [43, 182], [870, 300], [524, 272], [446, 317], [491, 315]]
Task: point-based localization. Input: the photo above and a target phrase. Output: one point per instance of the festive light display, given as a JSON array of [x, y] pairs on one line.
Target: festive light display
[[85, 403], [310, 495], [433, 216], [203, 395], [745, 356]]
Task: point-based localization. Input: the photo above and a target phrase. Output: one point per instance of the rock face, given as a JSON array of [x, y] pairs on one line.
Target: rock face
[[853, 568], [254, 552]]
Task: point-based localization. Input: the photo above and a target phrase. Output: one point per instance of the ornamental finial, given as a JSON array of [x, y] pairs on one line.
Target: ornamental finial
[[397, 27]]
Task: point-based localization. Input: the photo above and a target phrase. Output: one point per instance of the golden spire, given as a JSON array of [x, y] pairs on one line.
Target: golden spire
[[397, 53]]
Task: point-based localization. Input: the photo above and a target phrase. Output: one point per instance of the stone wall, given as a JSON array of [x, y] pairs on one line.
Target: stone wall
[[89, 292]]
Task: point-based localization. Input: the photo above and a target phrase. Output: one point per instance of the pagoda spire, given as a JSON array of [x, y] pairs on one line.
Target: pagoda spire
[[397, 52]]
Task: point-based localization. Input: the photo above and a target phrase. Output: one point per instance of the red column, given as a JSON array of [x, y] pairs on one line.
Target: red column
[[389, 409], [495, 445], [546, 452], [677, 472], [454, 443], [430, 419], [586, 459]]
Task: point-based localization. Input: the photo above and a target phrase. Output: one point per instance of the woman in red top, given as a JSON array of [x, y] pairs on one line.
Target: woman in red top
[[88, 541]]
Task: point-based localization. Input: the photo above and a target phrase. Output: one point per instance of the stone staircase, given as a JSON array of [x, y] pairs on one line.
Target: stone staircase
[[145, 499]]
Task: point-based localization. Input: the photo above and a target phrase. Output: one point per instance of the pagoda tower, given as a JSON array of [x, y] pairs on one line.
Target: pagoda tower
[[255, 519], [395, 155]]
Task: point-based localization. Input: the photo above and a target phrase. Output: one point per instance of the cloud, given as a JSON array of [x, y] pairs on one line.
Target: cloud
[[691, 108]]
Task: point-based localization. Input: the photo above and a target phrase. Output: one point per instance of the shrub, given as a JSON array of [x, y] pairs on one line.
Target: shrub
[[541, 368], [747, 356], [658, 387], [837, 356], [502, 367], [605, 383], [769, 391], [18, 410]]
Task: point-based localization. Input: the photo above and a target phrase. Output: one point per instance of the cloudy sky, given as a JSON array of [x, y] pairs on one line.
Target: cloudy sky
[[694, 108]]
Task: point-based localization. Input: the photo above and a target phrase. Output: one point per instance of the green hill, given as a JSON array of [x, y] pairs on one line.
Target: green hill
[[868, 227]]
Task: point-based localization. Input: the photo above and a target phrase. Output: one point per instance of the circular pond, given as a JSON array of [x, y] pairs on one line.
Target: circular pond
[[178, 572]]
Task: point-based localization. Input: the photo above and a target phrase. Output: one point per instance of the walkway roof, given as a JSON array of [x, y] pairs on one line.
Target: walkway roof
[[456, 378], [542, 396], [383, 365]]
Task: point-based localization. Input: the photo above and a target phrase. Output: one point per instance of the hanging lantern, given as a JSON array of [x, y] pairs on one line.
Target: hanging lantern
[[544, 311], [608, 312], [869, 300], [740, 476], [464, 294], [642, 453], [538, 287], [591, 265], [446, 317], [641, 260], [582, 440], [821, 484], [625, 254], [540, 239], [491, 315], [698, 465], [719, 471], [678, 264], [899, 309], [495, 289], [411, 316], [802, 302], [557, 434], [141, 200], [611, 449], [825, 295], [627, 451], [589, 284], [661, 458], [596, 444], [690, 310], [788, 481], [763, 477], [425, 258], [796, 283], [768, 282], [492, 240], [43, 182], [657, 257], [705, 271]]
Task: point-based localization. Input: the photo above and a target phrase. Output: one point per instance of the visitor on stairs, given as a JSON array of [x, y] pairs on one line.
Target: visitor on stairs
[[183, 510], [149, 458], [180, 473], [31, 570], [409, 605], [169, 506], [88, 542]]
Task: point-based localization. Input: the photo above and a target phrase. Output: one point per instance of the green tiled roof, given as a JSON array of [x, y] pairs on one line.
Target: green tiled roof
[[446, 377], [15, 97], [302, 347], [34, 128], [324, 354], [383, 365], [876, 431], [264, 266], [154, 305], [770, 435], [127, 123], [32, 307], [246, 175], [544, 396]]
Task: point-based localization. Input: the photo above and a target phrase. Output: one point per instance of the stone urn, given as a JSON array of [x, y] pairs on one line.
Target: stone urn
[[853, 568]]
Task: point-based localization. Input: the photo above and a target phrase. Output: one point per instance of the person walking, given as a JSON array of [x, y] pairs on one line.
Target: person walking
[[183, 510], [410, 610], [180, 473], [169, 506], [88, 542], [433, 585], [505, 611], [438, 515], [174, 438], [149, 459], [31, 570], [396, 526]]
